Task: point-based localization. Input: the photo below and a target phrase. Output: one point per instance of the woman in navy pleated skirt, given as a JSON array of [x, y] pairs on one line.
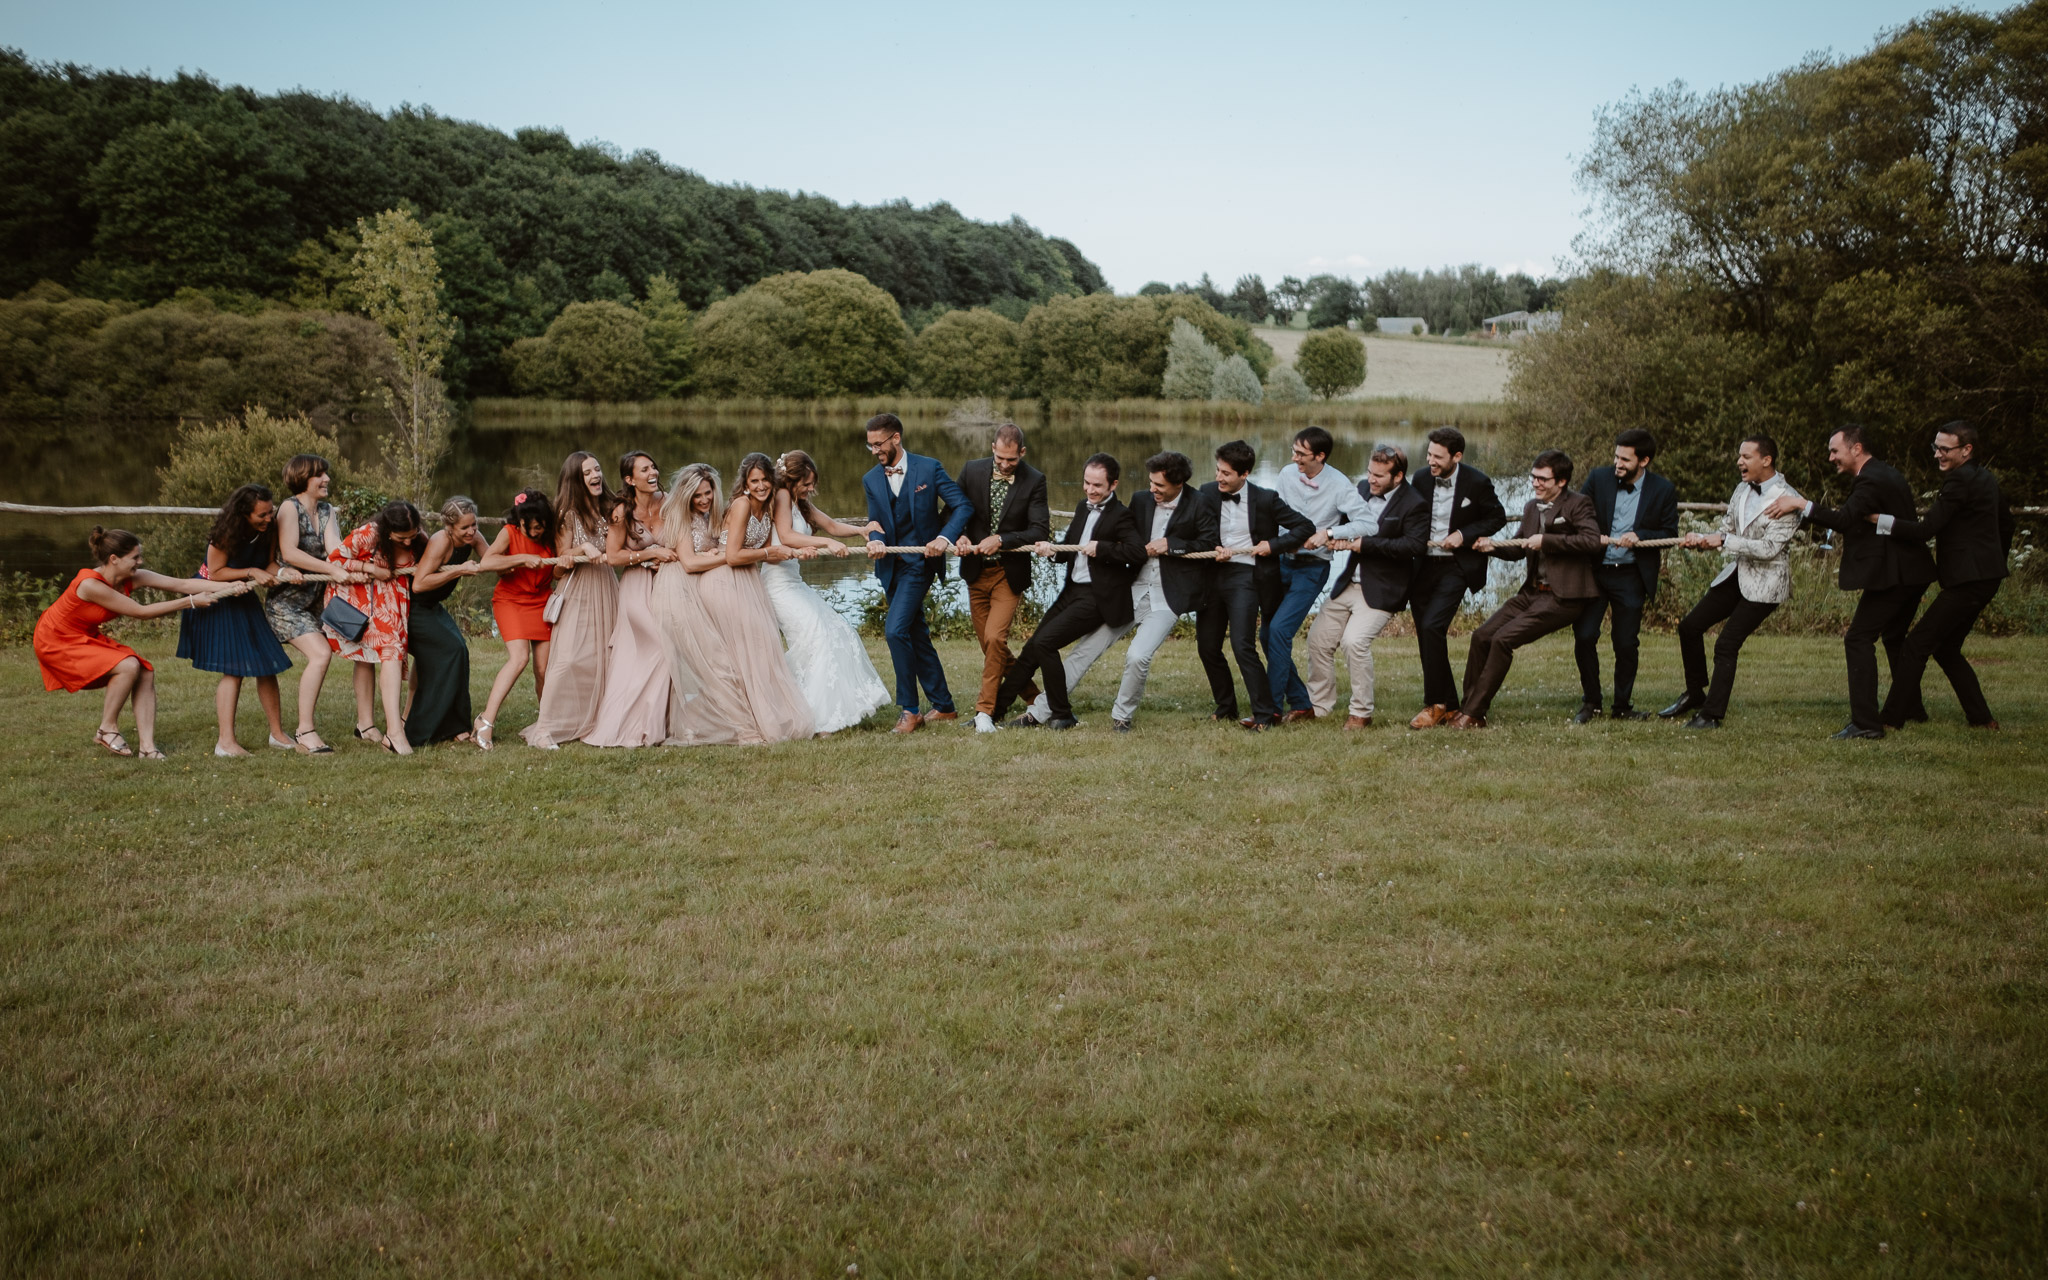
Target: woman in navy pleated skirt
[[234, 638]]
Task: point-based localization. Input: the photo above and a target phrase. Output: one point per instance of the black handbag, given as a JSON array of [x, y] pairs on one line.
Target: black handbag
[[347, 621]]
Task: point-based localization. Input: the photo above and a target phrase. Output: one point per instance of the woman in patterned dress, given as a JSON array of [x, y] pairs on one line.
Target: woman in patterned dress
[[379, 558], [308, 532]]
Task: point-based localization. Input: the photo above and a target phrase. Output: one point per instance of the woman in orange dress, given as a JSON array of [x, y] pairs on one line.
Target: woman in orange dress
[[523, 557], [378, 558], [74, 655]]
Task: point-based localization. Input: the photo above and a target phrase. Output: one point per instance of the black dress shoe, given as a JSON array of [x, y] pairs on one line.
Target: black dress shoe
[[1026, 721], [1587, 714], [1690, 702], [1062, 722], [1629, 714], [1121, 726], [1851, 731], [1703, 721]]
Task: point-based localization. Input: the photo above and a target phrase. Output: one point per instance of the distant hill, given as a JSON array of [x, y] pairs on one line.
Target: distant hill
[[126, 186]]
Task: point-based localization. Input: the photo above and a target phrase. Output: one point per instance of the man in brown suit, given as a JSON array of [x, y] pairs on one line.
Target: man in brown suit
[[1561, 533]]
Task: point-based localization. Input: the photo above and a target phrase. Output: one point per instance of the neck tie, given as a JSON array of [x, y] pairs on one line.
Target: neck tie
[[1234, 497]]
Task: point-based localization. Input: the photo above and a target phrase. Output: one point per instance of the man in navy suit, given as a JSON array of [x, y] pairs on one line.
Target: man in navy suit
[[1633, 505], [904, 491]]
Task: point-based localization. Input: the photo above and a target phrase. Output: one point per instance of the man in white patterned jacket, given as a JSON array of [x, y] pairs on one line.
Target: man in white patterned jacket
[[1756, 580]]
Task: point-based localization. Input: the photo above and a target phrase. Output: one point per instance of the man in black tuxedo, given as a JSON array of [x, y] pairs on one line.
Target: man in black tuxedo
[[1462, 509], [1174, 519], [1892, 573], [1368, 587], [1634, 504], [1252, 524], [1106, 554], [1010, 514], [1972, 530]]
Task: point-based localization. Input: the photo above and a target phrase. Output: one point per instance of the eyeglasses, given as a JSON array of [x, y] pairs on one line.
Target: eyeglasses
[[1948, 448]]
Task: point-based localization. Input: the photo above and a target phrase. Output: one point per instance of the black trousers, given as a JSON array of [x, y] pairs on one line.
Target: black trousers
[[1723, 603], [1621, 591], [1939, 635], [1072, 616], [1884, 613], [1433, 602], [1234, 607]]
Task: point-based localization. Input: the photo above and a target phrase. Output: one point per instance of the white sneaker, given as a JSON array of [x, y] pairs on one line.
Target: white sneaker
[[984, 722]]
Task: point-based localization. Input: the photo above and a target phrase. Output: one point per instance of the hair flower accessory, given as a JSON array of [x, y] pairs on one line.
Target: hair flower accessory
[[519, 501]]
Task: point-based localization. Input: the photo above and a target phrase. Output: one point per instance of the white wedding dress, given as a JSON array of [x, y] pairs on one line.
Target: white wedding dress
[[825, 655]]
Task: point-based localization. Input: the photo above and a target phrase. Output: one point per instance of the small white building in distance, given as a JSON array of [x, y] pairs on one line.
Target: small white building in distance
[[1515, 322], [1403, 325]]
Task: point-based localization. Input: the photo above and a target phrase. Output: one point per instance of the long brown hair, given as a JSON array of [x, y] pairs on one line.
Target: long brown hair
[[231, 528], [629, 497], [748, 466], [398, 528], [575, 505], [791, 470]]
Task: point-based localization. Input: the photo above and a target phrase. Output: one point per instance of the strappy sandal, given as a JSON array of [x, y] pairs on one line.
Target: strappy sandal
[[299, 741], [112, 740], [151, 754], [482, 730], [366, 734]]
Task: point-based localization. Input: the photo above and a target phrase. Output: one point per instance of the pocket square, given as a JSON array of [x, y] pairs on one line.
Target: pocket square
[[1466, 503], [921, 488]]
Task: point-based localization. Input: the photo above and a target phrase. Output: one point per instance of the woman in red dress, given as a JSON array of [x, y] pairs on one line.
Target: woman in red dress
[[74, 655], [523, 556], [378, 559]]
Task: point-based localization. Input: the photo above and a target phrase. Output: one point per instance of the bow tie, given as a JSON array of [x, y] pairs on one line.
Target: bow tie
[[1755, 488], [1095, 506], [1627, 488], [1234, 497], [892, 471], [1313, 484]]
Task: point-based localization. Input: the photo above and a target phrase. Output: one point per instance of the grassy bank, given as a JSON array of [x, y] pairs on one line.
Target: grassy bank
[[1543, 1000]]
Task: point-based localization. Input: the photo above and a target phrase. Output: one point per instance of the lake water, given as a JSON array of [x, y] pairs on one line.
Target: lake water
[[79, 464]]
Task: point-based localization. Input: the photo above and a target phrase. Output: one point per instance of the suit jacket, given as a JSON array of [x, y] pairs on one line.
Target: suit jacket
[[1869, 561], [1384, 564], [1475, 509], [1026, 519], [1970, 523], [913, 517], [1760, 551], [1571, 546], [1192, 527], [1273, 521], [1656, 516], [1118, 554]]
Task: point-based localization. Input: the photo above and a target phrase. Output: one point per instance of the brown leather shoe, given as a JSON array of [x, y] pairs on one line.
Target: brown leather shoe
[[1358, 722], [1296, 717], [909, 722], [1463, 721], [1988, 725], [931, 716], [1430, 716]]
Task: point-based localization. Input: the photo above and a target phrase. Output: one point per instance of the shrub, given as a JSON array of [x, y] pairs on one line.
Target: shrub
[[806, 334], [1331, 362], [211, 460], [1234, 380], [671, 339], [1284, 386], [592, 351], [1102, 347], [1191, 364], [968, 353]]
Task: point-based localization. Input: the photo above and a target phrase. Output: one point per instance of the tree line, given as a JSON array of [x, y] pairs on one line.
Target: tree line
[[129, 189], [1451, 300]]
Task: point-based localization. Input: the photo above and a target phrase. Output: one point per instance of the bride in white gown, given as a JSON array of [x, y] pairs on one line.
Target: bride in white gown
[[825, 655]]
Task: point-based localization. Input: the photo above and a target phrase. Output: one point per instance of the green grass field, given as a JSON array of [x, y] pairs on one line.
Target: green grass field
[[1538, 1000]]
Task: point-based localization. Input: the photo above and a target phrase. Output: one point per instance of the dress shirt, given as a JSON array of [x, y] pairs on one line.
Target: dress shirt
[[896, 479], [1626, 497], [1441, 500], [1082, 571], [1329, 496], [1368, 525], [998, 494], [1234, 530], [1149, 577]]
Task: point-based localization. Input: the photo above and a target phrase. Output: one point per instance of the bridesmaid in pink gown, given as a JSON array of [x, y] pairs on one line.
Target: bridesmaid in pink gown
[[636, 691]]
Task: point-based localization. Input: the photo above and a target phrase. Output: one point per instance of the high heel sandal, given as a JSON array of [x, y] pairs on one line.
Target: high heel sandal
[[366, 732], [112, 740], [299, 741], [481, 731]]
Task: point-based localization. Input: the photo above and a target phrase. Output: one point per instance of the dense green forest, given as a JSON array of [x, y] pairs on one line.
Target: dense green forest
[[126, 187]]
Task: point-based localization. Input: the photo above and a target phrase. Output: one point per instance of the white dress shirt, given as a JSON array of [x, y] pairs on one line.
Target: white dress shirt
[[901, 469], [1082, 570], [1441, 500], [1234, 529], [1149, 578]]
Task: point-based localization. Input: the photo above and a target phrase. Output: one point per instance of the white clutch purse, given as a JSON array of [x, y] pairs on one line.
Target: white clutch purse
[[551, 613]]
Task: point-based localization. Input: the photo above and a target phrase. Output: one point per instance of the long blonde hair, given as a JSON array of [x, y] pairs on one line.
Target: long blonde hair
[[676, 512]]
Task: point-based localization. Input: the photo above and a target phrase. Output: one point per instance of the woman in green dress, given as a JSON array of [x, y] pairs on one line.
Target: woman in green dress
[[440, 710]]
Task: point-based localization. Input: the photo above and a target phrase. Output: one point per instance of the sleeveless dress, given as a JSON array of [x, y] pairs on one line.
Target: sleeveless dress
[[440, 708], [233, 637], [385, 603], [521, 596], [724, 628], [582, 637], [830, 664], [634, 712], [294, 608], [68, 644]]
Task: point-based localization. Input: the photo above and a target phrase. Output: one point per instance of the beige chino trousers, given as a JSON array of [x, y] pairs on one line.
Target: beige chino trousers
[[1346, 622]]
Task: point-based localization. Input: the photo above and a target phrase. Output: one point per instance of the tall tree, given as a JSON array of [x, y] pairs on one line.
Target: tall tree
[[399, 283]]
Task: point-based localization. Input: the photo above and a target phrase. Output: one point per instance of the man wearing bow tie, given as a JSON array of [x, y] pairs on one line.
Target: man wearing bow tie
[[1254, 530], [904, 491], [1756, 580], [1634, 505], [1462, 507], [1562, 539], [1106, 556]]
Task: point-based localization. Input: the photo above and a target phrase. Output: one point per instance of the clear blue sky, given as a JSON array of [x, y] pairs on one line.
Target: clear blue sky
[[1165, 140]]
